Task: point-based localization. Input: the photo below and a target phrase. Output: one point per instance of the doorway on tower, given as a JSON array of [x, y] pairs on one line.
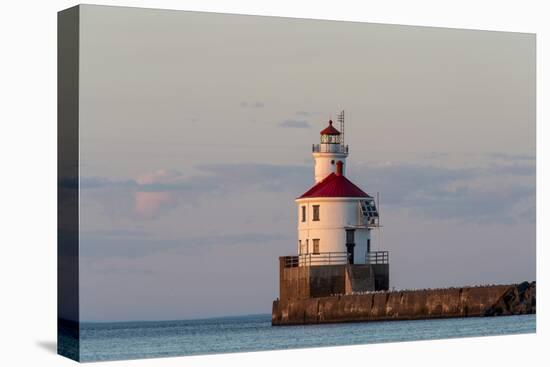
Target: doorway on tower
[[350, 244]]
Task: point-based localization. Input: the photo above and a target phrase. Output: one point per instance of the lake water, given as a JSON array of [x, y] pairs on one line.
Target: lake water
[[131, 340]]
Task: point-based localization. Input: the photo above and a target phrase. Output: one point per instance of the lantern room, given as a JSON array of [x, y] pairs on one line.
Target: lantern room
[[330, 135]]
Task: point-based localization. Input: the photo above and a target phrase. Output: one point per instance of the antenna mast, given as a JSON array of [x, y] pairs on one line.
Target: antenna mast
[[378, 237], [341, 121]]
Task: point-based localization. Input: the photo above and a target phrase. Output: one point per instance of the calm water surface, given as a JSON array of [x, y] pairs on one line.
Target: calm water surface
[[130, 340]]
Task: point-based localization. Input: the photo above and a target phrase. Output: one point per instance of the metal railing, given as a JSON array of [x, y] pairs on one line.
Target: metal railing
[[321, 258], [324, 258], [377, 257], [329, 148], [291, 261], [333, 258]]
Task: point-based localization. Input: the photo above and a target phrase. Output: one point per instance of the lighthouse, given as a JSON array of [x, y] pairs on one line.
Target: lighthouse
[[335, 218]]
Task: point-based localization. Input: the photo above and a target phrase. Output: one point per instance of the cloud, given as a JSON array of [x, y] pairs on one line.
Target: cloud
[[299, 124], [98, 182], [99, 244], [263, 177], [507, 156], [397, 181], [160, 176], [494, 194], [161, 191], [496, 204], [153, 194], [149, 204], [514, 169]]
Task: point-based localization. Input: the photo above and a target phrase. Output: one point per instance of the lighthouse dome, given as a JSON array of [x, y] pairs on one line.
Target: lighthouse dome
[[329, 135], [330, 130]]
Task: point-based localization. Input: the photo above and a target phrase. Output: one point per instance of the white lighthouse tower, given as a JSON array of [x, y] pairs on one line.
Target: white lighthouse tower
[[330, 151], [335, 217]]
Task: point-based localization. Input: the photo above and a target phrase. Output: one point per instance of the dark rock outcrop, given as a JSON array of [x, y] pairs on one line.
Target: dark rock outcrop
[[517, 300]]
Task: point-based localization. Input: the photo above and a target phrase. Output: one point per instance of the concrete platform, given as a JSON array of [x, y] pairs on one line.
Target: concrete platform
[[494, 300]]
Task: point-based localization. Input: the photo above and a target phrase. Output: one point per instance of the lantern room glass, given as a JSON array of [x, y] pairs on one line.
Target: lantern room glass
[[330, 139]]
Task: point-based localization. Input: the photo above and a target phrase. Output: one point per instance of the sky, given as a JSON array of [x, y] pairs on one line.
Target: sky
[[195, 139]]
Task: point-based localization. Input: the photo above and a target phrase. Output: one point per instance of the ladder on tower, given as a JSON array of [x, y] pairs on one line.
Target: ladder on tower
[[341, 121]]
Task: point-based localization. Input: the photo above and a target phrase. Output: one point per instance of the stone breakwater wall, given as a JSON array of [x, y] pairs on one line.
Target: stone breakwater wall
[[493, 300]]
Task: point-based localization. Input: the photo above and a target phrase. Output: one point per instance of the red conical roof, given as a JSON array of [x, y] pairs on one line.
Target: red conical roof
[[337, 186], [330, 130]]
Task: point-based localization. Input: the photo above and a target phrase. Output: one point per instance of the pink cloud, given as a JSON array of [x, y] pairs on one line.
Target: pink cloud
[[160, 176], [149, 203]]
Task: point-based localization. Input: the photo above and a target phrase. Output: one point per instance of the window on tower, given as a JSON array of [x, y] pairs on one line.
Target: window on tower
[[303, 213], [316, 212], [316, 250]]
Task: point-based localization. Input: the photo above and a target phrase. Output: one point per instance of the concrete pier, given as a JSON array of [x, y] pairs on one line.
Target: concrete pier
[[303, 282], [494, 300]]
